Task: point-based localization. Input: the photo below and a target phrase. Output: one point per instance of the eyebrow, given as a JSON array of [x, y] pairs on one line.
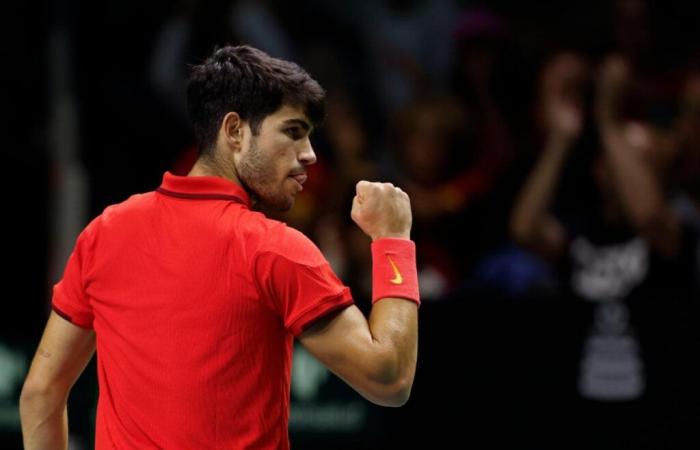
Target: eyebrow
[[302, 123]]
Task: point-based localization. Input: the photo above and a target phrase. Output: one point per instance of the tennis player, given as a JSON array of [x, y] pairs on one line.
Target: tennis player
[[192, 300]]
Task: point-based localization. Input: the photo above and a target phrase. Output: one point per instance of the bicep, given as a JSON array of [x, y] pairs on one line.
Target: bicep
[[337, 339], [64, 351], [376, 357]]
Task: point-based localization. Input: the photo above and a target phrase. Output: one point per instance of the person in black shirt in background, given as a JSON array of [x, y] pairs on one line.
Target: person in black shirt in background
[[623, 261]]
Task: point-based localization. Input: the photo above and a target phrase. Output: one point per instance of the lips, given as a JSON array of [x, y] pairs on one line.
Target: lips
[[300, 178]]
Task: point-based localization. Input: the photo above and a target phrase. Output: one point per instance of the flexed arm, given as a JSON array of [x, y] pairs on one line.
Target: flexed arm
[[377, 356]]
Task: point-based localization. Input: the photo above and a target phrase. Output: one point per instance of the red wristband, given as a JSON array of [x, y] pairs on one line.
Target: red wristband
[[394, 271]]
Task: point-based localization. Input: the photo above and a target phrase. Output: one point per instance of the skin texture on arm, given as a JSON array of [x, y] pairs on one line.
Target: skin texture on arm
[[377, 357], [64, 351], [641, 194], [626, 148]]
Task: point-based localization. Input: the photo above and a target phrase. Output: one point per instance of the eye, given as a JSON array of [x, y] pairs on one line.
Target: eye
[[294, 133]]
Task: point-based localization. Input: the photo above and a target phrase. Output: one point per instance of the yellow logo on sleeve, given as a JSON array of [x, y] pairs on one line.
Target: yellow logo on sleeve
[[398, 279]]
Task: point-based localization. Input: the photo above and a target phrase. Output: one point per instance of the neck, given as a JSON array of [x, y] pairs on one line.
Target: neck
[[207, 166]]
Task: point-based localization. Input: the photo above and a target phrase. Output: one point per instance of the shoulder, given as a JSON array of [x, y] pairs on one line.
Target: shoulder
[[134, 204], [113, 216], [290, 243]]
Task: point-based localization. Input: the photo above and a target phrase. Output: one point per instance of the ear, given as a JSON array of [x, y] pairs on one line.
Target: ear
[[231, 131]]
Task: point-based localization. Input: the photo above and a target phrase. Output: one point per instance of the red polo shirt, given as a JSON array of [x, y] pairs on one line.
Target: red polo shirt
[[195, 301]]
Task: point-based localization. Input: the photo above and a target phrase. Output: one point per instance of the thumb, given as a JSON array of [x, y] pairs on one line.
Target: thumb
[[356, 202]]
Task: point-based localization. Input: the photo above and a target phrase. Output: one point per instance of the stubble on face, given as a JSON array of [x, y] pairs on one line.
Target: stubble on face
[[257, 174]]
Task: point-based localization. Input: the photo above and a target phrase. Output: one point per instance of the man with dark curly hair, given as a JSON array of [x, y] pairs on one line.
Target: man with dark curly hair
[[192, 300]]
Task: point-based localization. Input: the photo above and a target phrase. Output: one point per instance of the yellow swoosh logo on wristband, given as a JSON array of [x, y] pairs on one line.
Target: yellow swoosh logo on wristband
[[398, 279]]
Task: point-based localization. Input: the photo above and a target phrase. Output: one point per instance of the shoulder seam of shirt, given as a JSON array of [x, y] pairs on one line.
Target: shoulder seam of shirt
[[259, 253]]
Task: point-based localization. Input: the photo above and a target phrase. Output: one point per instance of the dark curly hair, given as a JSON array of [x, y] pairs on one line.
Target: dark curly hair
[[253, 84]]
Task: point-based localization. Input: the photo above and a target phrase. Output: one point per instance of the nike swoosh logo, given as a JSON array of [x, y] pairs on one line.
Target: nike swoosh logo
[[398, 279]]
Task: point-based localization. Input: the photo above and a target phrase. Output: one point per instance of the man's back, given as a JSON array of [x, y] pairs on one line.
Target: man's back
[[190, 354]]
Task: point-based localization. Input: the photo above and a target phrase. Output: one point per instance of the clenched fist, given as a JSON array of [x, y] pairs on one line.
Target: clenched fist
[[382, 210]]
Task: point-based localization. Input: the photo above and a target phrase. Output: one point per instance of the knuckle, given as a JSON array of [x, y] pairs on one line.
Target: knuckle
[[363, 185]]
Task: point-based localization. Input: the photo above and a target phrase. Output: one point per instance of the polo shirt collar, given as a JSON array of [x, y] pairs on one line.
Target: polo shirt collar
[[203, 187]]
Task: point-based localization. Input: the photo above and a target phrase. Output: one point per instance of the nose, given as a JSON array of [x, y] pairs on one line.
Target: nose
[[307, 155]]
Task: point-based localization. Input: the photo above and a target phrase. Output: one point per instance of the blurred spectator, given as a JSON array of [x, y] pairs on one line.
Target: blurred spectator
[[433, 144], [633, 31], [621, 261], [408, 44], [686, 173], [492, 84], [487, 79]]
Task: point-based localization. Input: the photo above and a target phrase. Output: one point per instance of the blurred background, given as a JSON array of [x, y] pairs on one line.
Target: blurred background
[[551, 150]]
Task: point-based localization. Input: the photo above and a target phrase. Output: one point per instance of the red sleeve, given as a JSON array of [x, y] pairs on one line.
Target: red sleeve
[[69, 298], [298, 281]]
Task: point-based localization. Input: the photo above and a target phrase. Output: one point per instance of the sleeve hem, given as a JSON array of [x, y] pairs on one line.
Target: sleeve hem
[[308, 317], [71, 319]]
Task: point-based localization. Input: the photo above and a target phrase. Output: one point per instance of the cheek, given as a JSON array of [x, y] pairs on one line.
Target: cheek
[[284, 159], [280, 167], [277, 157]]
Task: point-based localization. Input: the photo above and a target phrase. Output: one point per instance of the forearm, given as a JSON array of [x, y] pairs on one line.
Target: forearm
[[380, 356], [393, 325], [44, 421], [535, 199], [641, 194], [63, 353], [393, 321], [637, 186]]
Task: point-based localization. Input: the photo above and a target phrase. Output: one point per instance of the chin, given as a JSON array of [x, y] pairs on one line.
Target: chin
[[285, 207], [280, 205], [273, 200]]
